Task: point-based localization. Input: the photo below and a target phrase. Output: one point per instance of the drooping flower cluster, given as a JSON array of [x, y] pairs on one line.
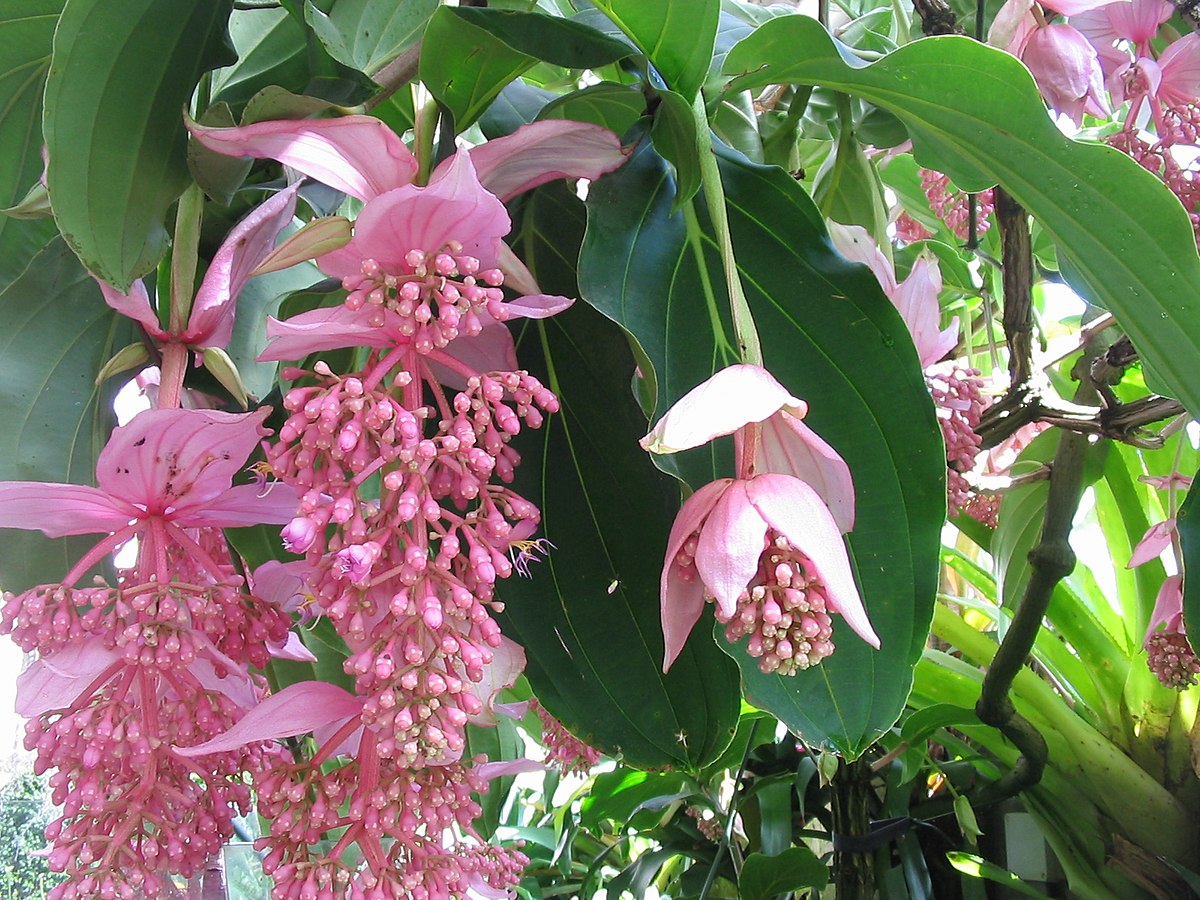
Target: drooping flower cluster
[[960, 404], [405, 518], [155, 658], [953, 206], [563, 749], [767, 545]]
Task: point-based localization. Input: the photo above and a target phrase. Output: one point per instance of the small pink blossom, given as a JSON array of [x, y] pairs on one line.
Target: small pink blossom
[[1169, 654], [1157, 539], [1067, 70]]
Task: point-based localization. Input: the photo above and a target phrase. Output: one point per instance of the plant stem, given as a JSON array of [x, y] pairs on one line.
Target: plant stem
[[727, 833]]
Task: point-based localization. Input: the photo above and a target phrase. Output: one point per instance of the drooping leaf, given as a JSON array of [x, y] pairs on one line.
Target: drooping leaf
[[55, 334], [561, 42], [119, 79], [366, 35], [1126, 235], [674, 135], [766, 876], [26, 30], [677, 37], [271, 51], [589, 616], [832, 338]]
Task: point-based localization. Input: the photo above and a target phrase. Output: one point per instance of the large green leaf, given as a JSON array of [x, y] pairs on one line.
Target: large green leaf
[[118, 83], [974, 113], [832, 337], [55, 334], [26, 30], [677, 37], [271, 50], [589, 617], [367, 35]]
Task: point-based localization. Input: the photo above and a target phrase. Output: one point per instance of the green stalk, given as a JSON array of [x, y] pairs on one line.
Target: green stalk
[[184, 251], [714, 196]]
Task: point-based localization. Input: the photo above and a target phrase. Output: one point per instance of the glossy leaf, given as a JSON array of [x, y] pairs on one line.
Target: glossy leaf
[[120, 78], [469, 79], [26, 30], [271, 51], [589, 616], [677, 37], [833, 339], [1127, 236], [764, 877], [367, 35], [55, 334], [675, 138], [561, 42], [615, 106]]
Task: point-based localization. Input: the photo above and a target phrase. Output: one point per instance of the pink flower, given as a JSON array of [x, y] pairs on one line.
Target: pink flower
[[766, 546], [1156, 539], [211, 321], [916, 298], [1169, 654], [1067, 70]]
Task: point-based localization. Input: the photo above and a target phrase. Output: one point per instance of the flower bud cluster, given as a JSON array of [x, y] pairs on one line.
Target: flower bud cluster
[[953, 207], [406, 524], [957, 393], [563, 749]]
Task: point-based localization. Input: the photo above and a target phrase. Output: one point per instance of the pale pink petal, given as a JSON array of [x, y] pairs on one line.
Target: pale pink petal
[[1075, 7], [282, 584], [292, 648], [1153, 542], [1168, 606], [492, 350], [56, 681], [508, 662], [1180, 64], [172, 461], [916, 299], [793, 509], [516, 274], [517, 710], [789, 447], [61, 509], [135, 305], [1066, 68], [501, 768], [297, 709], [544, 151], [854, 243], [244, 504], [357, 155], [327, 328], [211, 321], [452, 207], [535, 306], [683, 601], [1137, 21], [1012, 26], [234, 683], [731, 543], [731, 399]]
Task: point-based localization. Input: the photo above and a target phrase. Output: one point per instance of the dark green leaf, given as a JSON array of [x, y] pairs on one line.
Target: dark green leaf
[[518, 104], [763, 877], [1129, 237], [614, 106], [832, 337], [1188, 522], [562, 42], [271, 51], [26, 30], [675, 138], [589, 617], [119, 80], [617, 795], [367, 35], [677, 37], [55, 334], [467, 80]]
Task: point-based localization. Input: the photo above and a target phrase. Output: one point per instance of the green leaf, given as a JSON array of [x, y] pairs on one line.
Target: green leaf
[[55, 334], [589, 616], [26, 30], [614, 106], [467, 80], [847, 188], [270, 46], [677, 37], [561, 42], [1188, 523], [764, 877], [831, 336], [367, 35], [1128, 236], [119, 80], [978, 867], [675, 138]]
